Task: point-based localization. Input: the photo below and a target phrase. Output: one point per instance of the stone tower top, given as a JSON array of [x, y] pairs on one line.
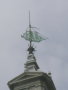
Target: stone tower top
[[32, 79]]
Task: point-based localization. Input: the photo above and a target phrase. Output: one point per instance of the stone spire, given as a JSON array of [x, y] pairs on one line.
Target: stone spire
[[31, 64]]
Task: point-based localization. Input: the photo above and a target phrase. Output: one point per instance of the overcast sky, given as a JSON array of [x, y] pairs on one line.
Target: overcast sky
[[51, 17]]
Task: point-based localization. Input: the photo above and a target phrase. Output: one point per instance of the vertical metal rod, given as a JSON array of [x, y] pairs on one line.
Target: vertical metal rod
[[30, 29], [29, 20]]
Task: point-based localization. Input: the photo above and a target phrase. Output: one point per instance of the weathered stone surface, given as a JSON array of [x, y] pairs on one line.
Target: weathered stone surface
[[32, 81]]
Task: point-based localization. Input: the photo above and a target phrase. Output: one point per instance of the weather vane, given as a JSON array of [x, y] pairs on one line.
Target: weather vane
[[32, 36]]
